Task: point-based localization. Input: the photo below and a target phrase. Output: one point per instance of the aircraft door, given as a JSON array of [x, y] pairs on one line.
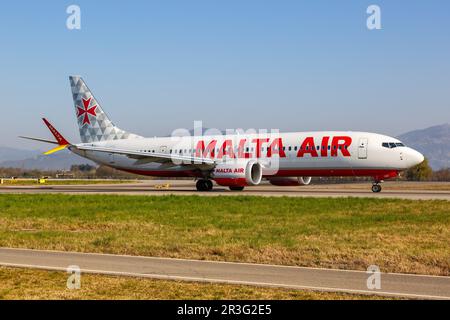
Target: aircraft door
[[362, 148]]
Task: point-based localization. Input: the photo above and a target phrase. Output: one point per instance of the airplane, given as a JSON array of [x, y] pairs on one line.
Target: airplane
[[233, 160]]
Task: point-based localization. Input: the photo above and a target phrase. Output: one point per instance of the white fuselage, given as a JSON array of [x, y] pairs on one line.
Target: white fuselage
[[294, 154]]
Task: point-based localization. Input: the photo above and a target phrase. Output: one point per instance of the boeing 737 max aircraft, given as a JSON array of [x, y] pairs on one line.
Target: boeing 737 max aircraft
[[235, 160]]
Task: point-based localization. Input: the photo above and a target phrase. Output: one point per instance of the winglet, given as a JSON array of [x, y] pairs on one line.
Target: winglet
[[63, 143], [61, 140]]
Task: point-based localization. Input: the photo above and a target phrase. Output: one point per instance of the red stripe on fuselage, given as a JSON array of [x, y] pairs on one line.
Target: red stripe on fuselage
[[229, 182], [335, 172], [165, 173]]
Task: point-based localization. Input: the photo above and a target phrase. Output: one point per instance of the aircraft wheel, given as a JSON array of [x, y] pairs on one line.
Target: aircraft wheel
[[204, 185], [376, 188], [236, 188], [201, 185]]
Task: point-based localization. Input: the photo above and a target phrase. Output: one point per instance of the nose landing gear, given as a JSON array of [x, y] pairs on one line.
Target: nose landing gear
[[376, 187], [204, 185]]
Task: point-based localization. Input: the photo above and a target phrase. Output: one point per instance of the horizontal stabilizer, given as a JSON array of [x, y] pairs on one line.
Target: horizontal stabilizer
[[39, 139]]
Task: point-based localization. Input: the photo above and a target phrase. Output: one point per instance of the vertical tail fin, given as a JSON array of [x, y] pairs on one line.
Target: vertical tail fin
[[93, 122]]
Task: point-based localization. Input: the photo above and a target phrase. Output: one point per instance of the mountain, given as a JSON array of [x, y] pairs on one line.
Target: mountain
[[61, 160], [433, 142], [11, 154]]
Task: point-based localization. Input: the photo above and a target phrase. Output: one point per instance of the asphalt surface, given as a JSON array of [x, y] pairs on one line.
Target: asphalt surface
[[402, 285], [180, 187]]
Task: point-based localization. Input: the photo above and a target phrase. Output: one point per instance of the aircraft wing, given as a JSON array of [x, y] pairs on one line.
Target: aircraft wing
[[144, 157]]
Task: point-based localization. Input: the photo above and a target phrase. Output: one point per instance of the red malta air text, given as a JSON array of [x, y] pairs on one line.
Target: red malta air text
[[264, 147]]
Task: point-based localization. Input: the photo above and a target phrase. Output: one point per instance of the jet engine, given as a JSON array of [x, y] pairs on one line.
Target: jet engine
[[238, 173], [290, 181]]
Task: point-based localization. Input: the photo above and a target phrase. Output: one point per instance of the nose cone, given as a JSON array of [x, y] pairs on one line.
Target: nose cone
[[415, 157]]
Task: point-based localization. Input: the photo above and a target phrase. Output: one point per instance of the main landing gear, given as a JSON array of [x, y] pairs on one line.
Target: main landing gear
[[376, 187], [204, 185]]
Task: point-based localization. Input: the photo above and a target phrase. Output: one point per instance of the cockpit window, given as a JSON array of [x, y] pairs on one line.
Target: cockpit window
[[392, 145]]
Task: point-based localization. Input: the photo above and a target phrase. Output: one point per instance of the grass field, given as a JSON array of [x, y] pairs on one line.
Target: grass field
[[349, 233], [39, 284]]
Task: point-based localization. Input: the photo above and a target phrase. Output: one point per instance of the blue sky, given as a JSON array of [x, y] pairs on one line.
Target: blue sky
[[291, 65]]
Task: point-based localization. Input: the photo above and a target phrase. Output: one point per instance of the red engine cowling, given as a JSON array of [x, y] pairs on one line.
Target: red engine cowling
[[238, 173], [289, 182]]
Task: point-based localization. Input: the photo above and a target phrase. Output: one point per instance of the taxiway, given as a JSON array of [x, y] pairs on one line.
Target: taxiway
[[333, 280]]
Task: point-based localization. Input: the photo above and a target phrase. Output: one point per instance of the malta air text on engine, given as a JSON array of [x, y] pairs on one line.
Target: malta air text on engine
[[266, 147], [229, 170]]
